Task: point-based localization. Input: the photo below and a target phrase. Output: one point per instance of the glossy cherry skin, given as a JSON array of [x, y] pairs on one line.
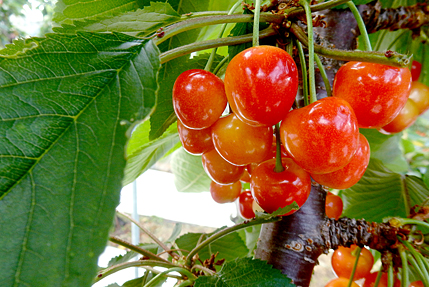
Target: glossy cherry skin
[[195, 142], [223, 193], [416, 284], [273, 190], [419, 93], [219, 170], [343, 261], [321, 137], [416, 69], [349, 175], [340, 282], [370, 280], [376, 92], [245, 205], [261, 84], [239, 143], [199, 98], [407, 117], [333, 206]]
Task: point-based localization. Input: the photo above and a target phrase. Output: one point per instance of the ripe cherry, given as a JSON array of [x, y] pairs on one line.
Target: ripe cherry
[[219, 169], [416, 69], [261, 84], [344, 259], [376, 92], [245, 177], [340, 282], [198, 98], [349, 175], [223, 193], [370, 280], [273, 190], [321, 137], [239, 143], [416, 284], [419, 93], [333, 206], [403, 120], [245, 205], [195, 142]]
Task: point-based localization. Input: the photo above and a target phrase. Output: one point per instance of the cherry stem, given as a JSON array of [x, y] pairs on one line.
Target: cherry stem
[[418, 263], [255, 42], [377, 280], [279, 166], [295, 11], [324, 75], [310, 46], [390, 277], [303, 72], [404, 261], [356, 253], [181, 270], [397, 221], [220, 65], [136, 248], [185, 283], [361, 25]]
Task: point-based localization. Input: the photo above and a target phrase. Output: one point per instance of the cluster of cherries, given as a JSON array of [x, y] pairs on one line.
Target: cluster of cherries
[[319, 141]]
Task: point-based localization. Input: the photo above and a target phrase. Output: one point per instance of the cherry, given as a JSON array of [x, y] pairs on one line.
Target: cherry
[[219, 169], [419, 93], [376, 92], [403, 120], [344, 259], [416, 284], [333, 206], [195, 142], [273, 190], [198, 98], [239, 143], [261, 84], [416, 69], [349, 175], [321, 137], [370, 280], [340, 282], [245, 177], [245, 205], [223, 193]]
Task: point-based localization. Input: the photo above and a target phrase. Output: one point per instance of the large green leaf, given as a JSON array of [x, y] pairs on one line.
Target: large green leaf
[[189, 174], [245, 272], [382, 193], [62, 140]]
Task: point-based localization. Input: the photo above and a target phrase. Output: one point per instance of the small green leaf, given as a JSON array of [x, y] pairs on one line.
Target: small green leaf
[[122, 258], [286, 209], [189, 174], [245, 272]]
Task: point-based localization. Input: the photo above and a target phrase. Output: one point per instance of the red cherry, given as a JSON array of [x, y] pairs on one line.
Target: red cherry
[[333, 206], [340, 282], [195, 142], [419, 93], [416, 69], [370, 280], [416, 284], [350, 174], [245, 205], [223, 193], [261, 84], [219, 169], [407, 117], [239, 143], [273, 190], [198, 98], [376, 92], [245, 177], [344, 259], [321, 137]]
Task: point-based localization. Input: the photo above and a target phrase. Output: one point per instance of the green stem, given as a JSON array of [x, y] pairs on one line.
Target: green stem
[[140, 263], [220, 65], [361, 25], [377, 280], [390, 276], [397, 221], [421, 266], [136, 249], [416, 266], [205, 269], [405, 271], [255, 41], [181, 270], [187, 49], [296, 11], [310, 46], [185, 283], [226, 231], [279, 166], [324, 75], [396, 60], [199, 22], [303, 72], [357, 254]]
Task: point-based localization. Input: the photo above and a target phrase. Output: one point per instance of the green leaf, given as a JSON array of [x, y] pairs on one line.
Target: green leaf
[[229, 247], [382, 193], [134, 23], [245, 272], [142, 153], [61, 150], [386, 148], [189, 174], [122, 258], [286, 209]]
